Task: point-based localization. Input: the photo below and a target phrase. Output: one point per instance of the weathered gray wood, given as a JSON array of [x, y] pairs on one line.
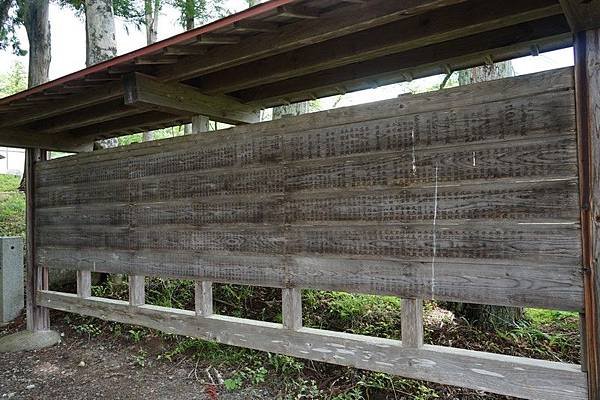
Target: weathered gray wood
[[137, 290], [485, 282], [84, 284], [332, 24], [291, 308], [412, 323], [201, 123], [441, 25], [145, 91], [582, 14], [451, 100], [587, 78], [203, 298], [38, 318], [514, 376]]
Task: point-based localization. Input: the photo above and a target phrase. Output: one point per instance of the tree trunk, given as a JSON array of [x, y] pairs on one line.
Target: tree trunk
[[290, 110], [100, 43], [151, 12], [34, 15], [479, 314]]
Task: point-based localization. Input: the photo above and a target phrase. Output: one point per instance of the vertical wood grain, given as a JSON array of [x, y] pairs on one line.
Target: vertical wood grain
[[412, 323], [291, 303], [137, 290], [84, 284], [204, 298], [587, 83], [38, 318]]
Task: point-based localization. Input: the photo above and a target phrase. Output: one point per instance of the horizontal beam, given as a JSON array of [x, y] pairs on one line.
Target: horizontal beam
[[582, 14], [16, 137], [336, 23], [507, 375], [484, 282], [435, 27], [147, 92], [472, 50]]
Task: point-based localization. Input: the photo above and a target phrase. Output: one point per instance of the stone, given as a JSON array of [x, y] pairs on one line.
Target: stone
[[11, 278], [28, 340]]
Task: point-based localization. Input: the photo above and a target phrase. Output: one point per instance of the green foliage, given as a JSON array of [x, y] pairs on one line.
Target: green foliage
[[13, 81], [9, 22], [140, 358], [12, 207]]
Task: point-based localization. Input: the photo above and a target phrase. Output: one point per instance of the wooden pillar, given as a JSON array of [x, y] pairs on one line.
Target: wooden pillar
[[204, 298], [587, 85], [412, 323], [137, 290], [84, 284], [291, 308], [38, 318]]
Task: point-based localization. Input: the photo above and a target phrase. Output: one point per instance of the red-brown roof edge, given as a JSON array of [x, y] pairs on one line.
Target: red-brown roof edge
[[173, 40]]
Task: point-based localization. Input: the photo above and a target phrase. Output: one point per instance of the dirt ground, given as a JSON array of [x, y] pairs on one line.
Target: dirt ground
[[80, 368]]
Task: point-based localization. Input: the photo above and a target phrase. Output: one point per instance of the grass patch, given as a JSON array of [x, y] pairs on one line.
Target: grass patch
[[12, 207]]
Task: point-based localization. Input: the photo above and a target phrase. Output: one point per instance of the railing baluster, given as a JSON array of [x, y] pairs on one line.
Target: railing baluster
[[84, 284], [137, 290], [292, 308], [204, 298], [412, 323]]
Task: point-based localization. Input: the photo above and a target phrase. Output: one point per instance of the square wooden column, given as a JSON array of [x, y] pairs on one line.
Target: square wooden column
[[587, 86], [38, 318]]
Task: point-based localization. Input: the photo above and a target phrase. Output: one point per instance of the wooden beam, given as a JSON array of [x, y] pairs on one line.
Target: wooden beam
[[211, 39], [84, 284], [203, 298], [508, 375], [582, 14], [472, 50], [144, 91], [423, 30], [587, 88], [38, 318], [17, 137], [255, 26], [291, 308], [137, 290], [294, 11], [101, 94], [332, 24], [412, 323]]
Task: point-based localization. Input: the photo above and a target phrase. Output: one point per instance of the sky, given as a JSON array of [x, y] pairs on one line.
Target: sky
[[68, 52]]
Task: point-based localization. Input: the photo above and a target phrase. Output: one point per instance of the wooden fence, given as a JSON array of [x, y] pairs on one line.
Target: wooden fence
[[468, 194]]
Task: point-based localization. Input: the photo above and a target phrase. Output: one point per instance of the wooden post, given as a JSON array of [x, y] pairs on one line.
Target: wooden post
[[587, 85], [38, 318], [137, 290], [200, 124], [204, 299], [291, 308], [84, 284], [412, 323]]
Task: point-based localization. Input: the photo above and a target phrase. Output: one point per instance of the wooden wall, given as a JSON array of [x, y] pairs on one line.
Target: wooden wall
[[468, 194]]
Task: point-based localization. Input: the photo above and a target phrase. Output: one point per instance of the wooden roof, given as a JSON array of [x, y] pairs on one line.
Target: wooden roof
[[279, 52]]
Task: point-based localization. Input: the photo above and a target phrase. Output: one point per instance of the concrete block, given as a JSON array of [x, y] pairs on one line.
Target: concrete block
[[11, 278]]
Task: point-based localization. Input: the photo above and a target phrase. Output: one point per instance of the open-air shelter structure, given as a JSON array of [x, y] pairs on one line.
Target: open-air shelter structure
[[486, 193]]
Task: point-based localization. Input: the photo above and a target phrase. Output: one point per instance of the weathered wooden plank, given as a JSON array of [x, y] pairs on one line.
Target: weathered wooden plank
[[412, 323], [545, 114], [203, 298], [515, 376], [291, 306], [485, 282], [473, 239], [38, 318], [587, 77], [84, 284], [147, 92], [338, 22], [582, 15], [553, 200], [434, 27], [553, 81], [539, 158], [137, 290]]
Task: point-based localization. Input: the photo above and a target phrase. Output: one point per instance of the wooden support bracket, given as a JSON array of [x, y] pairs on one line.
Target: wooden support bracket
[[137, 290], [204, 298], [147, 92]]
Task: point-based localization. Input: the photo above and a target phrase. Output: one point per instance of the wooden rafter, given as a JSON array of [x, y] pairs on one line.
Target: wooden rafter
[[582, 14], [147, 92]]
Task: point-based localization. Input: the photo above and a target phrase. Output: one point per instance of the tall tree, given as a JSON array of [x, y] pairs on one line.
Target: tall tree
[[480, 314], [33, 15], [151, 14]]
